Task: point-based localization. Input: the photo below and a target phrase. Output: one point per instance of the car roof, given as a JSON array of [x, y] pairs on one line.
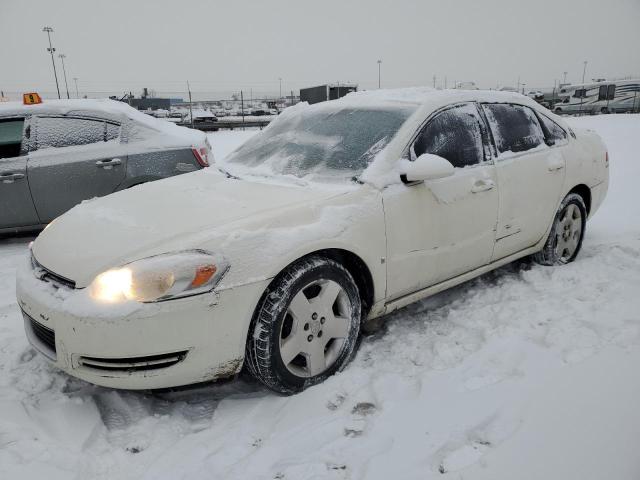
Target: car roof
[[104, 108], [427, 95], [63, 107]]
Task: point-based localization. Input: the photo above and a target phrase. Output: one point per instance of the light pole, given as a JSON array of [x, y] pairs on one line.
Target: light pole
[[584, 71], [280, 97], [565, 77], [379, 63], [64, 70], [51, 50], [75, 79]]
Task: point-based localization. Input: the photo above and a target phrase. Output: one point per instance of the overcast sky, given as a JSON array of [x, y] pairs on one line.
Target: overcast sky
[[222, 46]]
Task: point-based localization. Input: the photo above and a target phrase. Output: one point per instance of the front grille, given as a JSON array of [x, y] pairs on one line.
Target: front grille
[[47, 275], [43, 338], [133, 364]]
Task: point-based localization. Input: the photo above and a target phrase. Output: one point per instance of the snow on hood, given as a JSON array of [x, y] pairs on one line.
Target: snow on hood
[[164, 216]]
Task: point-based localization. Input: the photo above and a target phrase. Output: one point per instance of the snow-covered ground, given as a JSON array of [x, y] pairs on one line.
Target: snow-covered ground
[[525, 373]]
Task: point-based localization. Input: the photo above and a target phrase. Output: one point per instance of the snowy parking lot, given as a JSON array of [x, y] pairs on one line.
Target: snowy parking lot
[[528, 372]]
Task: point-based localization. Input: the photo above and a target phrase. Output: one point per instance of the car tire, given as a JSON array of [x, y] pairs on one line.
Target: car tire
[[565, 239], [305, 327]]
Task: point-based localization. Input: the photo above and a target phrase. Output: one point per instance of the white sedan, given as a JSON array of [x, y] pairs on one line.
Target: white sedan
[[334, 215]]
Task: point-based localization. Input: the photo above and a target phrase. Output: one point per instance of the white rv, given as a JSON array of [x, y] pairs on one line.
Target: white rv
[[616, 96]]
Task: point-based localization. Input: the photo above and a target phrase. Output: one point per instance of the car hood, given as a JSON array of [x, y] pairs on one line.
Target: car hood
[[167, 215]]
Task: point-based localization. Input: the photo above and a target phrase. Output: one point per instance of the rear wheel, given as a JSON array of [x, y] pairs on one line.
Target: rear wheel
[[305, 327], [567, 232]]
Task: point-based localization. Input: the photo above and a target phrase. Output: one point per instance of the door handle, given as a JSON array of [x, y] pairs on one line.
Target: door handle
[[108, 164], [10, 177], [482, 185], [554, 167]]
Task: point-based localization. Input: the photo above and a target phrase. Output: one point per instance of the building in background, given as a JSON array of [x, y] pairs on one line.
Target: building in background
[[330, 91]]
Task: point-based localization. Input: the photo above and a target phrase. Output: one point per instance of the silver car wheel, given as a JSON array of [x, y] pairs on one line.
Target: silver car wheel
[[315, 329], [568, 232]]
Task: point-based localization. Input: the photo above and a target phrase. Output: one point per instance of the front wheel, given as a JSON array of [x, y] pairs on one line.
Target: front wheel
[[567, 232], [306, 326]]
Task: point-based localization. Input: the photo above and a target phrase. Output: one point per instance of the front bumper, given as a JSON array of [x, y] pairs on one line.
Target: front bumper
[[142, 346]]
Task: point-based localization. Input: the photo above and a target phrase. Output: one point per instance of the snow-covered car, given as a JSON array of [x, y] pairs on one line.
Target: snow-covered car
[[335, 214], [537, 95], [56, 154]]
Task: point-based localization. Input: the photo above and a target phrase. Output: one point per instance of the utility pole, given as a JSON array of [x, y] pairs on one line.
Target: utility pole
[[51, 50], [64, 70], [75, 79], [190, 107], [379, 63], [280, 98], [242, 107], [565, 78]]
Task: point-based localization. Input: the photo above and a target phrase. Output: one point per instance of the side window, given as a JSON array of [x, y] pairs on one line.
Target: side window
[[515, 127], [602, 92], [112, 131], [10, 137], [68, 131], [454, 134], [611, 92], [553, 133]]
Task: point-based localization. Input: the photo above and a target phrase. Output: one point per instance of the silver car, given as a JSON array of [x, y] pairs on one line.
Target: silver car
[[56, 154]]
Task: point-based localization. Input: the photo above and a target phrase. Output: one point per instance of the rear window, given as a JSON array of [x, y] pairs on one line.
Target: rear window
[[10, 137], [515, 128]]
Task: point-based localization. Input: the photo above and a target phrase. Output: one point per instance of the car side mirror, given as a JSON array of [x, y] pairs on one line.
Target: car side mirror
[[426, 167]]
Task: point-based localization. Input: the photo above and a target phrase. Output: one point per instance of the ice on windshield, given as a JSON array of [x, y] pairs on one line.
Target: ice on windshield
[[320, 141]]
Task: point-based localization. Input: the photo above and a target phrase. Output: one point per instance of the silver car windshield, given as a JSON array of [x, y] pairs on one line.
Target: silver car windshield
[[320, 141]]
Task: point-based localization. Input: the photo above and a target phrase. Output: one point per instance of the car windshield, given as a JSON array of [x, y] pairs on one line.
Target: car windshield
[[324, 141]]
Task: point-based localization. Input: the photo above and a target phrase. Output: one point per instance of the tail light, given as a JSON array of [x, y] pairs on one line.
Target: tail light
[[202, 155]]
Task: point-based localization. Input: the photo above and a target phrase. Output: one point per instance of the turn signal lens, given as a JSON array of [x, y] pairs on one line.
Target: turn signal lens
[[203, 275]]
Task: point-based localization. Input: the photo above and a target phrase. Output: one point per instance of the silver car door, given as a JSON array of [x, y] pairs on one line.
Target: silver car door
[[76, 158], [16, 205]]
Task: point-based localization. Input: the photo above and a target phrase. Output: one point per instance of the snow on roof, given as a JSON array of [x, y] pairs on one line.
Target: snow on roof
[[422, 95], [106, 108]]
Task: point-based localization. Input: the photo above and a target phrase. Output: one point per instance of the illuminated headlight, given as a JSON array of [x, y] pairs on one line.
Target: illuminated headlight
[[162, 277]]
